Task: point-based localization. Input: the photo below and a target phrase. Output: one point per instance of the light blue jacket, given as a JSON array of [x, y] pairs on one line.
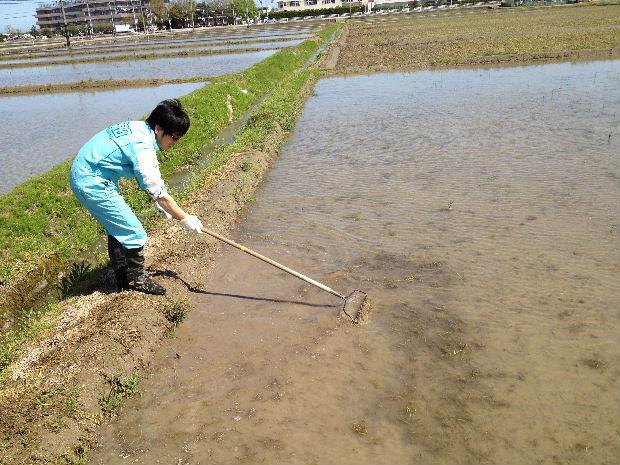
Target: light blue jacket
[[124, 150]]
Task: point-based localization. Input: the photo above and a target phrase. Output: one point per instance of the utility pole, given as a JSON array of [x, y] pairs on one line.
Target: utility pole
[[143, 20], [64, 19], [192, 5], [135, 20], [112, 19], [90, 20]]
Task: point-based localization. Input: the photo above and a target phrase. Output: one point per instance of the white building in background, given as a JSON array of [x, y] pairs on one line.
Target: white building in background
[[294, 5], [89, 12]]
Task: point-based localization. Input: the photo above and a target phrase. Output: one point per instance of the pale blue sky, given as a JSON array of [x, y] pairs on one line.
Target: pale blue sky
[[18, 13]]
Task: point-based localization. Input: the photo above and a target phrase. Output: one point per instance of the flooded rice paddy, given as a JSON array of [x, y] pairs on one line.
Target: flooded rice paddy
[[163, 68], [161, 40], [268, 34], [25, 61], [27, 118], [41, 131], [479, 210]]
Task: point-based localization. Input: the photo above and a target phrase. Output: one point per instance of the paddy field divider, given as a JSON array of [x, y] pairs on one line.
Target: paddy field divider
[[43, 228]]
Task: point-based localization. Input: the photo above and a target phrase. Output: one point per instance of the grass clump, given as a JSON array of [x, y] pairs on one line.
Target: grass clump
[[70, 282], [120, 389], [177, 311], [26, 325]]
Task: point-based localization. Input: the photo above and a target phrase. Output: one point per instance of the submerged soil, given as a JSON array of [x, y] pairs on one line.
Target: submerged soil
[[487, 254], [136, 57], [66, 54], [96, 85]]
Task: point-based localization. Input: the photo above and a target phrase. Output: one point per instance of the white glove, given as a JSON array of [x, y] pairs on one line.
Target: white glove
[[192, 223], [167, 215]]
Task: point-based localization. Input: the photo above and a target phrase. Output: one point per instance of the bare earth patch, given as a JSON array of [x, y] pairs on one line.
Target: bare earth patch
[[482, 37]]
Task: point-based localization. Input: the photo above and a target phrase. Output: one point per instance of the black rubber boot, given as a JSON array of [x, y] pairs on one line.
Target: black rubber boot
[[118, 262], [137, 279]]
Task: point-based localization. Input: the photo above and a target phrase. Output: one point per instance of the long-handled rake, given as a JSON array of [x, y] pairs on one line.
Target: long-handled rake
[[353, 302]]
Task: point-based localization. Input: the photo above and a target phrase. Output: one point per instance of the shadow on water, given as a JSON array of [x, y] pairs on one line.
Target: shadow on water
[[198, 290]]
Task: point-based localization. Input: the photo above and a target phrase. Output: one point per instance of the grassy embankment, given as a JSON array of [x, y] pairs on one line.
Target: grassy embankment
[[481, 37], [83, 86], [43, 228]]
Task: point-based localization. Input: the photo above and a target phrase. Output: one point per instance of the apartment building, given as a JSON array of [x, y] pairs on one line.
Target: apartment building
[[317, 4], [89, 12]]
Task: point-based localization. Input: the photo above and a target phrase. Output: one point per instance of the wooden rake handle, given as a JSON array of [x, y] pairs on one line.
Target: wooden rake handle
[[272, 262]]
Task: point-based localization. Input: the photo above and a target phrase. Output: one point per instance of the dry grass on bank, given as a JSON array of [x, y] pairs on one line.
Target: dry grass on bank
[[468, 37]]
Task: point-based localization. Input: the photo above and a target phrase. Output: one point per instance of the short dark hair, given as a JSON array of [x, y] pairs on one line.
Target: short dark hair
[[170, 116]]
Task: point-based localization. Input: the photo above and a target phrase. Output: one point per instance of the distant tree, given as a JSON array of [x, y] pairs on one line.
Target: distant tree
[[106, 28], [323, 11], [10, 30], [160, 10], [187, 10], [178, 15], [216, 12], [73, 30], [218, 5], [34, 31], [241, 7]]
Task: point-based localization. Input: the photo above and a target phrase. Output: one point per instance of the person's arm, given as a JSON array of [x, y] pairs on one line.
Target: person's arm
[[190, 222], [169, 205], [146, 170]]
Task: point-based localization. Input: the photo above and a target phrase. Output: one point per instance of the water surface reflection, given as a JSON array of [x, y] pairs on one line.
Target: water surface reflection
[[42, 131], [480, 209], [163, 68]]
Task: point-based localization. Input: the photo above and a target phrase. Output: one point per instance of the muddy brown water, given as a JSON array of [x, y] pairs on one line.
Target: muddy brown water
[[479, 210]]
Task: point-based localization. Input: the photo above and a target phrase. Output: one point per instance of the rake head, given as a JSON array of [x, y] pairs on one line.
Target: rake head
[[353, 304]]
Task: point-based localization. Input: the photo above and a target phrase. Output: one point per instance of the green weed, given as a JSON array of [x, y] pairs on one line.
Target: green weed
[[70, 405], [70, 281], [57, 424], [120, 389], [27, 324], [176, 312]]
